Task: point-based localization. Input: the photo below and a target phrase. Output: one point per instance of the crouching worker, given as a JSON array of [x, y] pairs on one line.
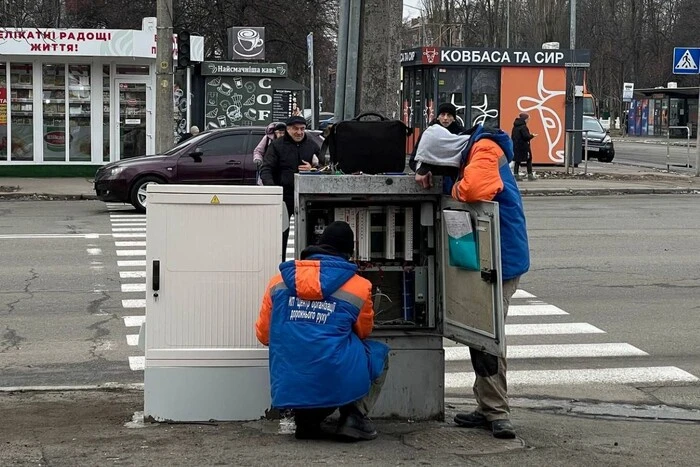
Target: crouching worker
[[316, 316]]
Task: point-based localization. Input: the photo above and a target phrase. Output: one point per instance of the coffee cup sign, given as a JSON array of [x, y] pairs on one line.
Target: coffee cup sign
[[246, 43]]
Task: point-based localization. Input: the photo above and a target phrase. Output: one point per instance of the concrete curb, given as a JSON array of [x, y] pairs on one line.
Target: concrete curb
[[46, 196], [523, 192], [607, 191]]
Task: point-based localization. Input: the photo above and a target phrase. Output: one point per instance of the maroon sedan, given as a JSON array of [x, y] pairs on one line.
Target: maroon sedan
[[219, 157]]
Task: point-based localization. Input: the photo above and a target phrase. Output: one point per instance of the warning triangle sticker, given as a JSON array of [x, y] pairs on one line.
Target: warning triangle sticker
[[686, 62], [214, 200]]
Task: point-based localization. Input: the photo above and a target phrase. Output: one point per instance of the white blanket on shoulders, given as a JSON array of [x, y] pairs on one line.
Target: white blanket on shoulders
[[438, 146]]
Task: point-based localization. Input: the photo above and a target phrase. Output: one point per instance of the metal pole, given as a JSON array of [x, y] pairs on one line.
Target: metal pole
[[697, 143], [508, 24], [341, 64], [310, 39], [668, 150], [687, 160], [572, 25], [585, 151], [189, 98], [353, 54], [164, 76]]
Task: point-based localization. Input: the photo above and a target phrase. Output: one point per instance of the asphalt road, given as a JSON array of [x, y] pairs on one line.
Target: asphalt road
[[626, 265], [654, 155], [60, 308]]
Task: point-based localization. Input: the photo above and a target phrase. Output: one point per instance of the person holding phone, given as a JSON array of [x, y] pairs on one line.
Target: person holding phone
[[522, 151]]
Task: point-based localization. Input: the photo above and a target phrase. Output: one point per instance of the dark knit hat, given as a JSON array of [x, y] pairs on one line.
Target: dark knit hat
[[524, 116], [280, 127], [339, 236], [296, 120], [448, 108]]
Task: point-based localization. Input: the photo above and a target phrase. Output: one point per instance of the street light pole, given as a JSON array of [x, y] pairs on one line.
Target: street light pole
[[507, 24], [572, 25], [164, 77]]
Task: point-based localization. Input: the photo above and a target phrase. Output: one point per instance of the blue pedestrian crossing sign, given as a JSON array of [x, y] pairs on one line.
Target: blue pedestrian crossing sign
[[686, 60]]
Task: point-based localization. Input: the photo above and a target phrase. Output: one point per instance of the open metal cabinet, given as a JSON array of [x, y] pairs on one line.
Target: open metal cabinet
[[401, 247]]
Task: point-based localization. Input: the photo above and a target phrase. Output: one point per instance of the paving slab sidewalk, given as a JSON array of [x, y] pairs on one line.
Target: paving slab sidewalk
[[92, 428]]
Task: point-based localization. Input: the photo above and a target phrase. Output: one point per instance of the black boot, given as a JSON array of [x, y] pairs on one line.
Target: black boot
[[356, 426]]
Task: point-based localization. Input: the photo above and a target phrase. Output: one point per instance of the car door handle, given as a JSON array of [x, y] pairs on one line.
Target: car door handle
[[233, 163]]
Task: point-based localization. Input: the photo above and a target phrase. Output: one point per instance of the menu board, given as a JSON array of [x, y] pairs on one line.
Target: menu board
[[283, 102], [236, 101]]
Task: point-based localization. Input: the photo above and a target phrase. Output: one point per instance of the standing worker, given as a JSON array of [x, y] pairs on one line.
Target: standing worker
[[487, 177], [521, 146], [294, 152]]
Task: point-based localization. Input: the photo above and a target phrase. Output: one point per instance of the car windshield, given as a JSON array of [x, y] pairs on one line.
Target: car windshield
[[177, 147], [592, 124]]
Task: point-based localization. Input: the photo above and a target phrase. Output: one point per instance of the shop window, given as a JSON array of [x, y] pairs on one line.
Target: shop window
[[485, 97], [451, 85], [54, 108], [21, 112], [105, 113], [3, 112], [132, 70], [79, 113]]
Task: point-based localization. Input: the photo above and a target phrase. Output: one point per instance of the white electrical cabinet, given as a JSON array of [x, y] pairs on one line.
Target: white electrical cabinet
[[210, 252]]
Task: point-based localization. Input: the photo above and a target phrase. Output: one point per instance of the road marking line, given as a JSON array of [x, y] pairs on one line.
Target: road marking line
[[131, 235], [137, 363], [128, 229], [134, 321], [134, 287], [132, 263], [125, 244], [461, 353], [128, 224], [535, 310], [551, 328], [45, 236], [131, 252], [94, 251], [132, 339], [636, 375], [132, 274], [522, 294], [134, 303], [127, 216]]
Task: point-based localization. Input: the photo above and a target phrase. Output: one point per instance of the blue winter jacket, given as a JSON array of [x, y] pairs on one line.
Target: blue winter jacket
[[315, 316]]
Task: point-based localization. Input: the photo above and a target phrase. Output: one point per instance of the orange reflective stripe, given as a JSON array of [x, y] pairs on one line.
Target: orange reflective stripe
[[481, 180], [308, 279], [262, 325], [361, 288]]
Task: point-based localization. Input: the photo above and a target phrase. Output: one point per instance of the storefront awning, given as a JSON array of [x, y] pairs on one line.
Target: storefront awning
[[290, 84], [670, 92]]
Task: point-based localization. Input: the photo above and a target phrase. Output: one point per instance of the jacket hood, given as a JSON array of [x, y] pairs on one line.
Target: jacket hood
[[270, 130], [318, 275], [519, 122]]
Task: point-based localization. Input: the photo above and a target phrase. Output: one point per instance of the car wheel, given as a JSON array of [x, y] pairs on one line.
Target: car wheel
[[138, 191], [608, 158]]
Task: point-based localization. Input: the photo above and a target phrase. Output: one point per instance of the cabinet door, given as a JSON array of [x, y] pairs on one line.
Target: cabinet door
[[472, 301]]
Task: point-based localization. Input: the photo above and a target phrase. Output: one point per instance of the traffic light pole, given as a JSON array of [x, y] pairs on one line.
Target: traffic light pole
[[164, 77]]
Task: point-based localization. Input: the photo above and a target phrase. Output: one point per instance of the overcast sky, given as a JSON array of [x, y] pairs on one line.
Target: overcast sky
[[411, 12]]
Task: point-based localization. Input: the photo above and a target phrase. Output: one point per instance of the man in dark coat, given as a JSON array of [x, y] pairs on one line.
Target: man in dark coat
[[285, 156], [521, 137]]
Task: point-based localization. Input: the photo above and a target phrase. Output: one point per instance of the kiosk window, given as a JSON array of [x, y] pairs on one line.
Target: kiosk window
[[485, 97], [451, 86]]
